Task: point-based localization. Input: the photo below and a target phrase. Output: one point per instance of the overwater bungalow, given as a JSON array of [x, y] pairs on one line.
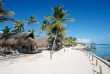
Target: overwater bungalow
[[93, 45], [17, 41]]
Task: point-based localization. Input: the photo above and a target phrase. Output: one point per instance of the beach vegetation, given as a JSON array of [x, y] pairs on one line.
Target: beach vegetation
[[69, 40], [105, 58], [6, 30], [5, 14], [56, 28], [43, 26], [19, 26]]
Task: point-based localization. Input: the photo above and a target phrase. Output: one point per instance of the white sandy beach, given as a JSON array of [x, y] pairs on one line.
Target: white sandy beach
[[69, 62]]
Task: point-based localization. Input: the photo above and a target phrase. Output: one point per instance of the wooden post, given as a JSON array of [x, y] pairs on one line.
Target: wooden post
[[92, 58], [100, 69], [64, 49], [96, 62], [89, 55]]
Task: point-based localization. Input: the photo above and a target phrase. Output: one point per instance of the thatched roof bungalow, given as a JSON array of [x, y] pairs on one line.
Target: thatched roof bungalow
[[24, 38], [17, 41], [44, 43]]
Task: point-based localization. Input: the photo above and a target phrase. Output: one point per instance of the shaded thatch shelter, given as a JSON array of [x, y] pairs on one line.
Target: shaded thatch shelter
[[44, 43], [17, 41], [93, 45], [16, 38]]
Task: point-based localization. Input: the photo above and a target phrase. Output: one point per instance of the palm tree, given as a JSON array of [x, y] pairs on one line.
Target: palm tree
[[71, 39], [65, 39], [5, 15], [6, 30], [33, 31], [19, 26], [31, 20], [0, 34], [43, 26], [56, 28], [74, 39]]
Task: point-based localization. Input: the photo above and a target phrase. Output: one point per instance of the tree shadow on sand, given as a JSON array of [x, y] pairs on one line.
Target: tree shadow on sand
[[9, 59]]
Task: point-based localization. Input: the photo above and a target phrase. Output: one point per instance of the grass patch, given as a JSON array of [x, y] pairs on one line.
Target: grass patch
[[105, 58]]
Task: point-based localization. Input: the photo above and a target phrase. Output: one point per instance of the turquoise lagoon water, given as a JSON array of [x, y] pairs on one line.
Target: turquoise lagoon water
[[102, 50]]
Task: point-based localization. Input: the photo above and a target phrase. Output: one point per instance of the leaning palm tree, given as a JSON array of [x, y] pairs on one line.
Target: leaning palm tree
[[5, 15], [56, 26], [6, 30], [19, 26], [31, 20]]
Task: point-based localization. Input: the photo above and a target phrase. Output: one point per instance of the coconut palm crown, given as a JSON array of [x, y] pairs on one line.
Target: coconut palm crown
[[56, 26], [31, 20], [19, 26], [5, 15], [6, 30]]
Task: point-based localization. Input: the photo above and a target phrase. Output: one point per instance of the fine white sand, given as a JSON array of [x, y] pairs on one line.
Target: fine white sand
[[69, 62]]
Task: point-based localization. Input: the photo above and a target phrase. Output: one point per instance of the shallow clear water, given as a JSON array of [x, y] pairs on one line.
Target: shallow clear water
[[102, 50]]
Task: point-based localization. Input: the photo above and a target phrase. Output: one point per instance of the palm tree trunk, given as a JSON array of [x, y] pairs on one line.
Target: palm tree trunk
[[53, 47], [31, 27], [19, 29]]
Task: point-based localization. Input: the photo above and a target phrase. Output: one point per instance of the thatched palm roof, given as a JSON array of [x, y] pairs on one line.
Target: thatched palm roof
[[93, 43], [45, 41], [42, 41], [15, 38], [30, 41]]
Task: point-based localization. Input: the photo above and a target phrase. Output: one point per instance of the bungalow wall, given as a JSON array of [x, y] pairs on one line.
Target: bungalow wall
[[18, 47], [6, 48], [42, 47]]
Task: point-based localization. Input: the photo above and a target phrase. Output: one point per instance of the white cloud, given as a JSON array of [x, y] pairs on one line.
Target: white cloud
[[83, 40]]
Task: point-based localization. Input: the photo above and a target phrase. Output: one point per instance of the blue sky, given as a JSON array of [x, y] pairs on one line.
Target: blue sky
[[92, 17]]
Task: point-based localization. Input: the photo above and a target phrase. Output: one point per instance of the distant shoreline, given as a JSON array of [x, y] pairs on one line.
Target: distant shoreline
[[102, 44]]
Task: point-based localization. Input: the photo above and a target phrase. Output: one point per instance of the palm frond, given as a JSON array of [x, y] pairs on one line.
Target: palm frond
[[36, 21], [10, 13], [67, 19], [27, 20], [50, 17]]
